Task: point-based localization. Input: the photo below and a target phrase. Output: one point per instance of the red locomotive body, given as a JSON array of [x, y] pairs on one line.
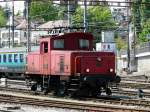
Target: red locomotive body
[[67, 64]]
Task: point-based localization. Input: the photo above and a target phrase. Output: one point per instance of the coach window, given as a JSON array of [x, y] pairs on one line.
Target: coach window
[[10, 57], [0, 58], [15, 58], [59, 43], [4, 58], [21, 57], [84, 44]]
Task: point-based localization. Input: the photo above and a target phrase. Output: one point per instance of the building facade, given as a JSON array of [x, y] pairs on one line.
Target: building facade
[[20, 33]]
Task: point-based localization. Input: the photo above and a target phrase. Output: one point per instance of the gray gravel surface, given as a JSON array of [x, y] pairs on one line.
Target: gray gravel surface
[[26, 108]]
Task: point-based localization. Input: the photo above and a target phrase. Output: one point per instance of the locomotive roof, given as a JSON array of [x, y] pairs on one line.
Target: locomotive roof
[[74, 33], [69, 34]]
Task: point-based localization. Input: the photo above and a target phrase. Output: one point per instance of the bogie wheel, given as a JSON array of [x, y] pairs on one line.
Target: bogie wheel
[[45, 91], [84, 91], [108, 91], [34, 87], [62, 89], [96, 92]]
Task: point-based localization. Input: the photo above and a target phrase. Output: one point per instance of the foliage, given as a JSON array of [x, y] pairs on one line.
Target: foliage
[[99, 18], [77, 18], [136, 10], [61, 11], [120, 43], [45, 10], [96, 15], [141, 15], [145, 10], [145, 31], [3, 18]]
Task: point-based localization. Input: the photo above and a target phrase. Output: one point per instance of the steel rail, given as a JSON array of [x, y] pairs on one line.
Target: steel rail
[[78, 105]]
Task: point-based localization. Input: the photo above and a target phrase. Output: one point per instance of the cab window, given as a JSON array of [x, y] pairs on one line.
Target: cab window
[[59, 43], [83, 43], [44, 47]]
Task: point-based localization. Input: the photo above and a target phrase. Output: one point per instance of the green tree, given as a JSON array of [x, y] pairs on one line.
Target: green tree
[[96, 15], [136, 10], [3, 18], [120, 43], [101, 14], [99, 18], [45, 10], [141, 15], [145, 31], [77, 17], [145, 10]]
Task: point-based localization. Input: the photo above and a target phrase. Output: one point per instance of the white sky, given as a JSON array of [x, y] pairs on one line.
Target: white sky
[[18, 5]]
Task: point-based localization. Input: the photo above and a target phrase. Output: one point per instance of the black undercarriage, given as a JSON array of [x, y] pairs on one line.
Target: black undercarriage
[[72, 85]]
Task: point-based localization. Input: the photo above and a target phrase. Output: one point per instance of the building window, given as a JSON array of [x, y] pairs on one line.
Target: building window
[[59, 43], [25, 34], [16, 34], [7, 34], [3, 34], [4, 58], [15, 58], [16, 41], [21, 57], [10, 57]]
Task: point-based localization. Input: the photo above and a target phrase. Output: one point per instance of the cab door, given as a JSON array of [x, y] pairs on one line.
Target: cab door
[[45, 58]]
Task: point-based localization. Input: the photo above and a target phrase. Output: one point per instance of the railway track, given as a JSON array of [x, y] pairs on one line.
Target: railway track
[[125, 83], [134, 85], [101, 105], [140, 104], [138, 78], [124, 89]]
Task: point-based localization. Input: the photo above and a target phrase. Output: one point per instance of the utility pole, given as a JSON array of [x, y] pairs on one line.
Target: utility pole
[[128, 49], [85, 15], [13, 23], [8, 13], [27, 6], [69, 19], [134, 51]]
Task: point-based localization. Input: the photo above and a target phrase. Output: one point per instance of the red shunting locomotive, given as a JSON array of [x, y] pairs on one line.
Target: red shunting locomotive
[[66, 64]]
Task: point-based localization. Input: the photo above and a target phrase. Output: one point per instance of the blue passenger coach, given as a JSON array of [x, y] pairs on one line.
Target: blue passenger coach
[[13, 61]]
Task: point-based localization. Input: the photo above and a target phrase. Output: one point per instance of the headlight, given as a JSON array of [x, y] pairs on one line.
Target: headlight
[[87, 70], [99, 59], [111, 70]]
